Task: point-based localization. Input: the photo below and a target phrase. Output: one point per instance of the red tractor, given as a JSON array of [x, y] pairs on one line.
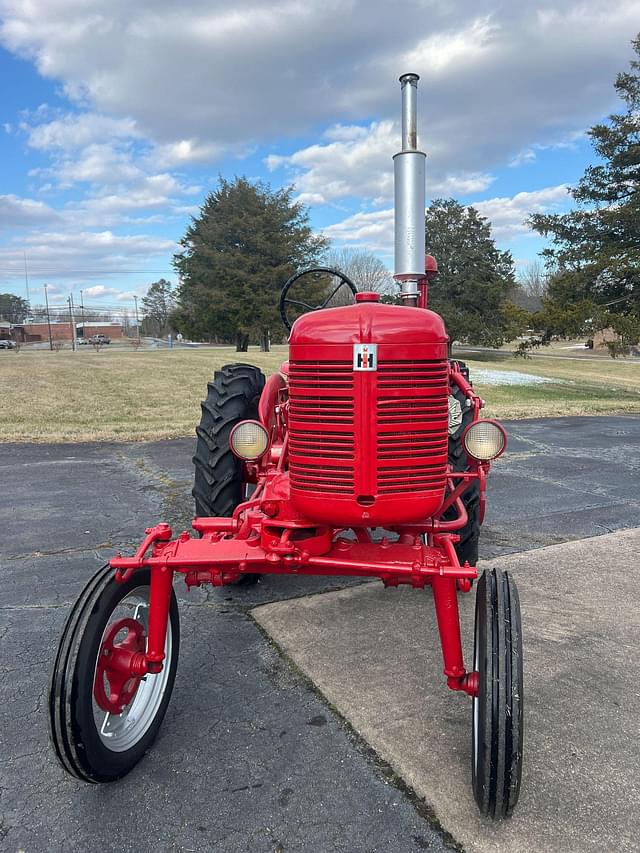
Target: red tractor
[[364, 455]]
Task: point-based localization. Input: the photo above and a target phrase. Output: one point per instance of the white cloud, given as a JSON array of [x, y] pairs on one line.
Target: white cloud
[[76, 255], [494, 81], [73, 131], [367, 230], [128, 295], [357, 162], [114, 205], [527, 155], [463, 183], [507, 215], [18, 212], [184, 152], [98, 163], [153, 191], [99, 291], [461, 47]]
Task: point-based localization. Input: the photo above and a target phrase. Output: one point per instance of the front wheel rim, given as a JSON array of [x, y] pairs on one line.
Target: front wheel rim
[[120, 732]]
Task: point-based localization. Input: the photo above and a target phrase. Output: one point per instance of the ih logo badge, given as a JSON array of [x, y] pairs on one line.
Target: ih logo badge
[[365, 356]]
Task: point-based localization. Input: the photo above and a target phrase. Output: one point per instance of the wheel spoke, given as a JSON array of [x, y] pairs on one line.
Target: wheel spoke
[[340, 284], [343, 281], [105, 725], [301, 304]]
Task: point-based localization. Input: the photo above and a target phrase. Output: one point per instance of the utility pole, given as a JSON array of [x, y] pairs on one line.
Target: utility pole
[[26, 280], [46, 301], [82, 309], [73, 331], [135, 299]]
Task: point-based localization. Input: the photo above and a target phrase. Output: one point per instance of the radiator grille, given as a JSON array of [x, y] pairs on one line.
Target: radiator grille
[[412, 419], [321, 427], [409, 426]]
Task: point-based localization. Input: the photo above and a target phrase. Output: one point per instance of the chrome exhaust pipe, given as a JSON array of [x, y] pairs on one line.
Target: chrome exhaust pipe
[[409, 193]]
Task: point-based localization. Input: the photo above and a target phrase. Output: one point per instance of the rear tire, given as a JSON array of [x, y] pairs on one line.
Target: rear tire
[[467, 547], [90, 744], [496, 750], [232, 397]]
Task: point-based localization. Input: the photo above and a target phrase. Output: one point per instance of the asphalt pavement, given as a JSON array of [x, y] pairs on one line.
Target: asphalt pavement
[[250, 757]]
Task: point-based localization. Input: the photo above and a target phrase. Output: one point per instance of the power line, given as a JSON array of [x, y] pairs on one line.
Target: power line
[[72, 271]]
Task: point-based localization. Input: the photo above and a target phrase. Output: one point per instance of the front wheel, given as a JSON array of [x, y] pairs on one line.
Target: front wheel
[[497, 709], [101, 723]]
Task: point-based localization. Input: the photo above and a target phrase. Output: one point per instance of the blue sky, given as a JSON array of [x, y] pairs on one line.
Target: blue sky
[[117, 119]]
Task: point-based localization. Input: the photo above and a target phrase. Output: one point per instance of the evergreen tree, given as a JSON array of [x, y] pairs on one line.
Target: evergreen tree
[[474, 278], [157, 307], [13, 309], [236, 255], [596, 247]]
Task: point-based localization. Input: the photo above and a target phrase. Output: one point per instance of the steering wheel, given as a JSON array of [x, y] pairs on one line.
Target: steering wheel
[[343, 281]]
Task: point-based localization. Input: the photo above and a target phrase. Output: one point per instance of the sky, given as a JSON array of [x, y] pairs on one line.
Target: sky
[[118, 118]]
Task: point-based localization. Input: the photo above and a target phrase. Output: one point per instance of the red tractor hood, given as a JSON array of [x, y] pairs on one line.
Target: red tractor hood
[[369, 322]]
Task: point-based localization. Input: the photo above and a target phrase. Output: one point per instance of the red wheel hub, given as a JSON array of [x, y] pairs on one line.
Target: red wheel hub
[[120, 666]]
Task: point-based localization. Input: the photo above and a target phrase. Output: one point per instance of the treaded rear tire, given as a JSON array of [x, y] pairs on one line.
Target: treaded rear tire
[[232, 397], [467, 547]]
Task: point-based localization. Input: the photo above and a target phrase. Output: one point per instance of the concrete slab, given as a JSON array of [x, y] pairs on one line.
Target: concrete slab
[[374, 654]]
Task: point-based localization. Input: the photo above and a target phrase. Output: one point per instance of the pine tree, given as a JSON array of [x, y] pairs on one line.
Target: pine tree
[[13, 309], [237, 254], [474, 276], [157, 306], [596, 248]]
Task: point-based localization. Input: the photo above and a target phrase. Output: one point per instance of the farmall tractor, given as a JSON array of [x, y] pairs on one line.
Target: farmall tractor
[[364, 455]]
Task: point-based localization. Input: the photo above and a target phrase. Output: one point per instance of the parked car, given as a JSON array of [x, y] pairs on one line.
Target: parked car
[[99, 339], [7, 344]]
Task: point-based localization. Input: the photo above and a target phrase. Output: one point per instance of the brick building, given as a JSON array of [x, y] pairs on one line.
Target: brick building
[[34, 332], [111, 330]]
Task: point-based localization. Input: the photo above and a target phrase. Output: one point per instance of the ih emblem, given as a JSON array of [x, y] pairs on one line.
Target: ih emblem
[[365, 356]]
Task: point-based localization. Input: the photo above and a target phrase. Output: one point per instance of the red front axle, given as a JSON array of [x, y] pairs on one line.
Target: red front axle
[[228, 549]]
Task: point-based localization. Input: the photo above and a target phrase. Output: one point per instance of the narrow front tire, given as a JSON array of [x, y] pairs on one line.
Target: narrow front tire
[[497, 728], [91, 743]]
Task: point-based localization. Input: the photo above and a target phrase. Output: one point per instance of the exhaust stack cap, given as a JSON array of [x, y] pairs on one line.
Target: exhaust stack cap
[[409, 191]]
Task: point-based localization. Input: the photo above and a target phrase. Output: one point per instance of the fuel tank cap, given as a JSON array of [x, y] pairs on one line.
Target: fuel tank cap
[[367, 296]]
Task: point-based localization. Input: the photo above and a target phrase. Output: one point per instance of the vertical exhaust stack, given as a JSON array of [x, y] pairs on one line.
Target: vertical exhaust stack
[[409, 191]]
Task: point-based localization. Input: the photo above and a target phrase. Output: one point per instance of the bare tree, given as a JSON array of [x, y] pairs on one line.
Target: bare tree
[[93, 316], [126, 323], [365, 269], [534, 279], [531, 286]]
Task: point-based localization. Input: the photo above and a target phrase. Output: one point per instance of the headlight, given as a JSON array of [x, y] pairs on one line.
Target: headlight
[[484, 440], [249, 440]]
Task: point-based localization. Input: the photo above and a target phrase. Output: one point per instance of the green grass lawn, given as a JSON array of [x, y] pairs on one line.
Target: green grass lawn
[[122, 395], [584, 387]]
